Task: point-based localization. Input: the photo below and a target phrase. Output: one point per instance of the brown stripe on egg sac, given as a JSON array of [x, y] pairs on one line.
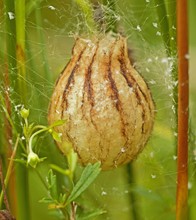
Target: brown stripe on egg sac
[[107, 104]]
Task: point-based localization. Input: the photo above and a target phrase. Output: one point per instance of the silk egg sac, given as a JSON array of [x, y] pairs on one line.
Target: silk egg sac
[[107, 105]]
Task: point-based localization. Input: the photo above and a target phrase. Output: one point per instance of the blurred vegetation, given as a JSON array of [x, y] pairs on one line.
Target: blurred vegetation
[[49, 31]]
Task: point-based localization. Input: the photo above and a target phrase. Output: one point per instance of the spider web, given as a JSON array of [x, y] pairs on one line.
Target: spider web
[[50, 31]]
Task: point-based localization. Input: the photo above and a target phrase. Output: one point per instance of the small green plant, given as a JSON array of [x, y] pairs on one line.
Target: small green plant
[[30, 132], [65, 202]]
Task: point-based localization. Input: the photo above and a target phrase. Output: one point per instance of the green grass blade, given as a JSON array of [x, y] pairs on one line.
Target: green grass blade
[[52, 185], [173, 47], [31, 6], [172, 26], [111, 22], [167, 19], [87, 10], [39, 25], [23, 209], [20, 48], [132, 194], [91, 215], [10, 60], [10, 41], [164, 23]]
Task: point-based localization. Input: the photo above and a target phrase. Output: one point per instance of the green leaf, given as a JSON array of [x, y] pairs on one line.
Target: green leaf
[[91, 214], [42, 159], [31, 6], [46, 200], [21, 161], [52, 184], [164, 23], [72, 159], [62, 198], [30, 129], [56, 136], [88, 176], [57, 123]]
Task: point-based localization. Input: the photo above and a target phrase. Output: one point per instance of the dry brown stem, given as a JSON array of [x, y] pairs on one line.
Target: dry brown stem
[[183, 96]]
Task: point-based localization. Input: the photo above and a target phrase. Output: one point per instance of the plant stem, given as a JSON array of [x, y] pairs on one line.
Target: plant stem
[[23, 209], [3, 190], [166, 16], [7, 105], [39, 25], [132, 197], [87, 10], [20, 48], [9, 171], [183, 96], [10, 41], [30, 147], [164, 24], [7, 134], [7, 114], [172, 26], [173, 51], [31, 6], [73, 211], [111, 23]]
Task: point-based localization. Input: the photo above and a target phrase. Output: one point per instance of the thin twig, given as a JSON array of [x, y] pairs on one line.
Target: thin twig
[[132, 195], [73, 211], [8, 127], [183, 96], [9, 171], [4, 214], [3, 187]]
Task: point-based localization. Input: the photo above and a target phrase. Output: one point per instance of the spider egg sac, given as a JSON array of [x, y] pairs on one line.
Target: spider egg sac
[[107, 104]]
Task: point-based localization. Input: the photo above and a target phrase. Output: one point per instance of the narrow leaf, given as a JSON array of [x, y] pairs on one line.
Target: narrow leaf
[[46, 200], [164, 23], [91, 214], [52, 184], [72, 158], [31, 6], [21, 161], [88, 176], [57, 123], [56, 136], [62, 198]]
